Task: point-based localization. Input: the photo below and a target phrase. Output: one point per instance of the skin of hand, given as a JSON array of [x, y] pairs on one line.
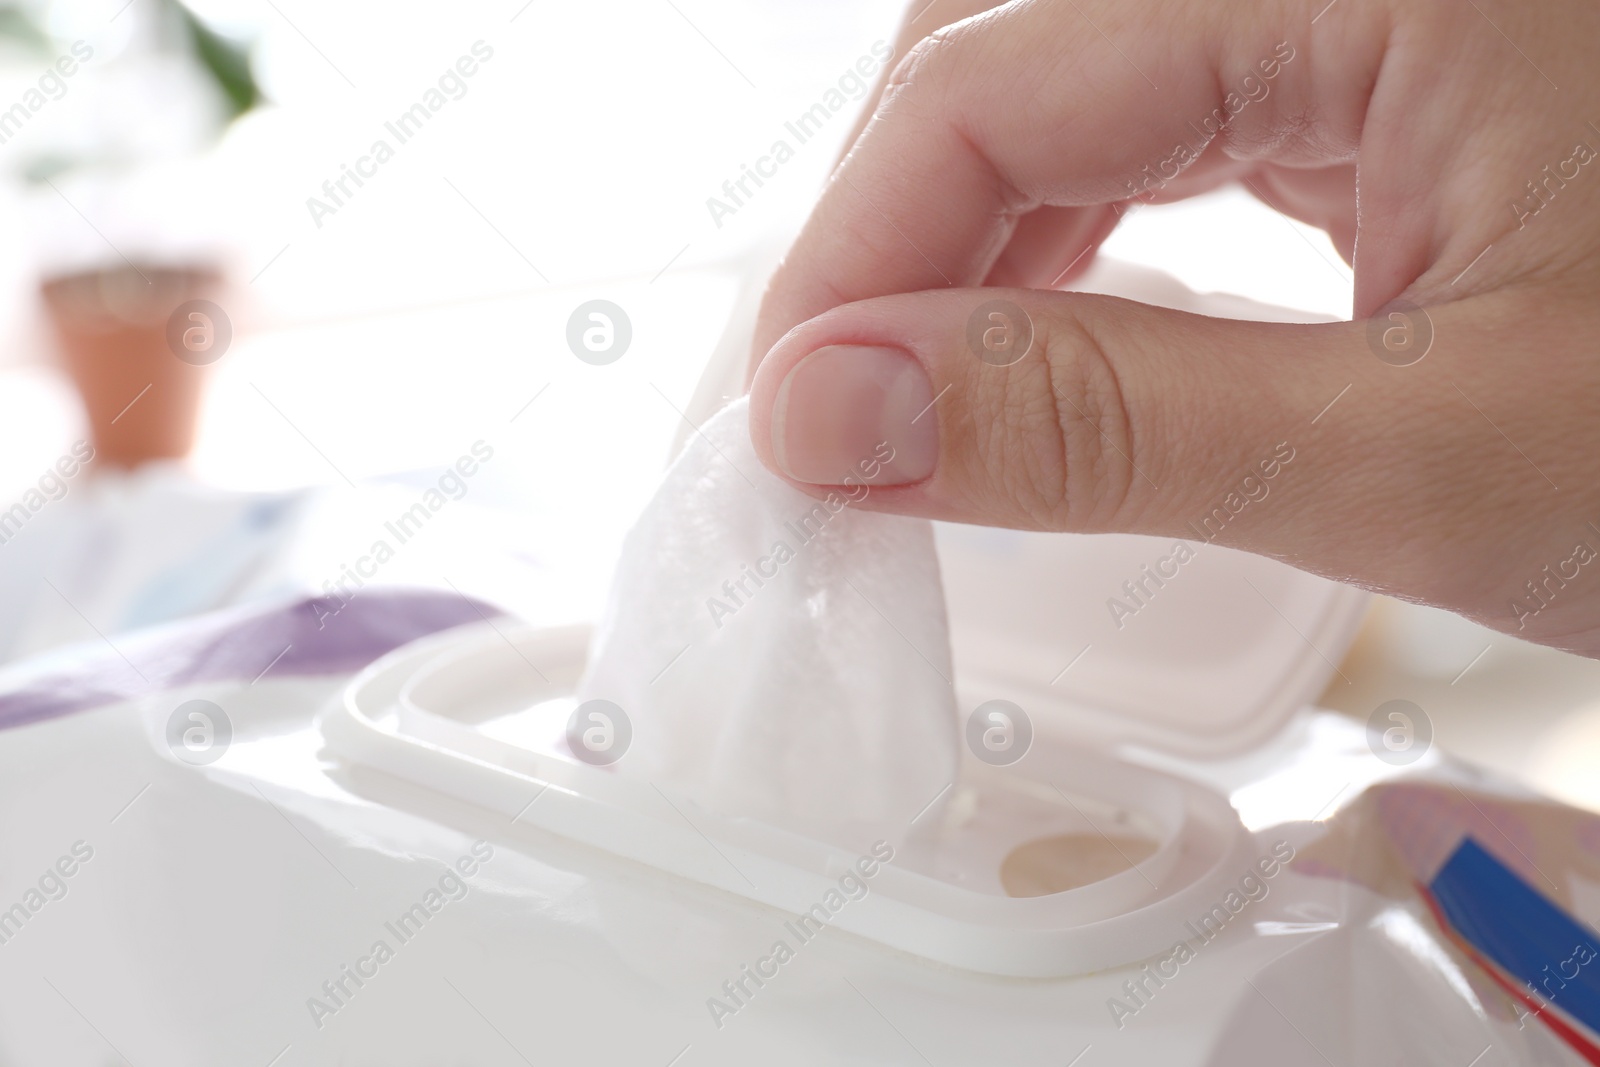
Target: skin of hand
[[1449, 148]]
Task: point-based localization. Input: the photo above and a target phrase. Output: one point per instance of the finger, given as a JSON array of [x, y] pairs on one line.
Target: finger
[[1118, 415], [1053, 245], [1213, 170], [931, 193], [1288, 440], [921, 20]]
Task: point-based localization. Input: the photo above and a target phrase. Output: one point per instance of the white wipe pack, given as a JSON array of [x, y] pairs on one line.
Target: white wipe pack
[[779, 657]]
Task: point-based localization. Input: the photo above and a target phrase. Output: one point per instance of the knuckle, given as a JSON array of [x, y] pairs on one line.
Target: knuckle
[[1091, 420], [925, 66]]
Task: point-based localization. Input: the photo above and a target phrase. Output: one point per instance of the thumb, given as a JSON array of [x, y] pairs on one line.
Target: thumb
[[1065, 411]]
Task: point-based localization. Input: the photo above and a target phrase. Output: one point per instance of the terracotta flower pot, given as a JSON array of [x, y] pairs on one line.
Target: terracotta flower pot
[[138, 342]]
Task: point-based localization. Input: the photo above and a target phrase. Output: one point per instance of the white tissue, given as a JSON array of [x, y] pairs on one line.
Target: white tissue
[[780, 658]]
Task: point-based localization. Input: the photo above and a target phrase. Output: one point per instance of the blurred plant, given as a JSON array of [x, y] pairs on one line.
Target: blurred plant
[[16, 25], [222, 62], [225, 62]]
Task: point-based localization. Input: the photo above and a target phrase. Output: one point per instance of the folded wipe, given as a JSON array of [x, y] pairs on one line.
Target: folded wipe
[[780, 657]]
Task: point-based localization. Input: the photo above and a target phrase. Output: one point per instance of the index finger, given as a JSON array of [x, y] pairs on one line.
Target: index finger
[[1067, 104]]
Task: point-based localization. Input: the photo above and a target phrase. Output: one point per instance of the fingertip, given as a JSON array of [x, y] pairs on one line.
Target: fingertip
[[843, 412]]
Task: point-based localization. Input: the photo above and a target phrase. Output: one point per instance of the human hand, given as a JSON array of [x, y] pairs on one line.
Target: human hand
[[1466, 479]]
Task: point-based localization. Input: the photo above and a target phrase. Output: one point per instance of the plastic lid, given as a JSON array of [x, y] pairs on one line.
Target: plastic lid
[[1207, 664], [459, 714]]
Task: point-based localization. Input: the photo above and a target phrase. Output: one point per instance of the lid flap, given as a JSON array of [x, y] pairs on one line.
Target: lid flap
[[1211, 651]]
